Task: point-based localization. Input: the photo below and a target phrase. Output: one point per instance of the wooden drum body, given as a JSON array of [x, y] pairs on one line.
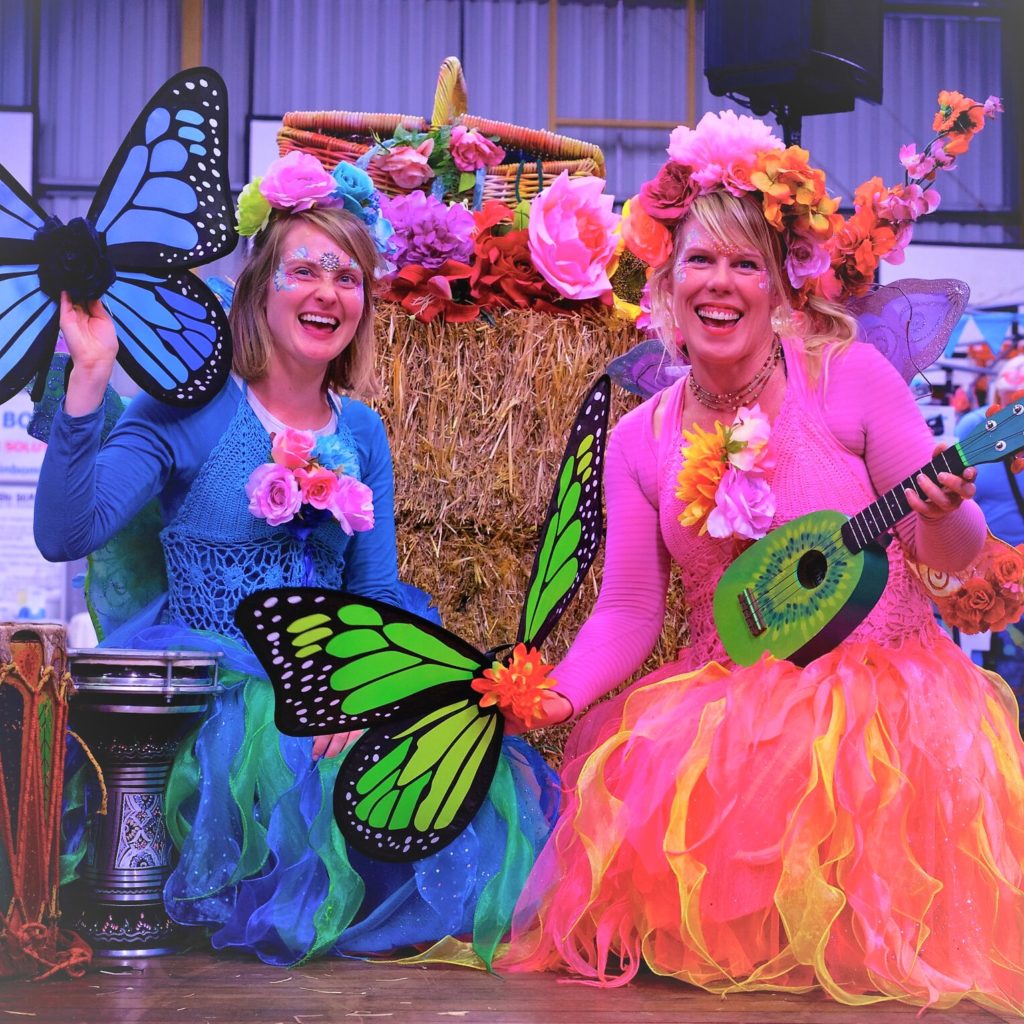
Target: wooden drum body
[[132, 709], [34, 690]]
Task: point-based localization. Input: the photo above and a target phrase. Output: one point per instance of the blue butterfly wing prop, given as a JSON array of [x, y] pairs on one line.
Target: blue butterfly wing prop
[[28, 317], [164, 202], [163, 207]]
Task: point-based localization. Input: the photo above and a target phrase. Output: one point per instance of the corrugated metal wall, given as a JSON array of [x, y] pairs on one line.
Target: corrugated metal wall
[[99, 61]]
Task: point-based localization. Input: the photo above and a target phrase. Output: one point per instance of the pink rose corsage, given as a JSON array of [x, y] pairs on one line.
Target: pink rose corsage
[[304, 483], [723, 482]]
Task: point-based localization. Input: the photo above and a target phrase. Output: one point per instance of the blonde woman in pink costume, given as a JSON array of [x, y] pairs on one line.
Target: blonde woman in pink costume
[[856, 825]]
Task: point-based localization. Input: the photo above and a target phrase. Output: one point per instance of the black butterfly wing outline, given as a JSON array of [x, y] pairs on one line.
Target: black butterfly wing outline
[[574, 524]]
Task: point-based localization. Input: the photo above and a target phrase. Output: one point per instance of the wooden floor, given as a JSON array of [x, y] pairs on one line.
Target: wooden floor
[[199, 987]]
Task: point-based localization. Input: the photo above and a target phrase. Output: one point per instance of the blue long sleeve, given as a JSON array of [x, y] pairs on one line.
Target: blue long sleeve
[[371, 568]]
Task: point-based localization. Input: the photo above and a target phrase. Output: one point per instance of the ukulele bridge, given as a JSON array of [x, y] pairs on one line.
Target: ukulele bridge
[[751, 610]]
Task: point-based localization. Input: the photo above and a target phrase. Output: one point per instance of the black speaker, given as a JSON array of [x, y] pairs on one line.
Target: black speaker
[[811, 56]]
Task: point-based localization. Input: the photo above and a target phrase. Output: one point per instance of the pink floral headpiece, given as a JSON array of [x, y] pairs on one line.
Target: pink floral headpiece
[[825, 253], [298, 181]]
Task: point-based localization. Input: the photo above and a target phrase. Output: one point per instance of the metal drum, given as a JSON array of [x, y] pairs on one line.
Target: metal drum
[[132, 709]]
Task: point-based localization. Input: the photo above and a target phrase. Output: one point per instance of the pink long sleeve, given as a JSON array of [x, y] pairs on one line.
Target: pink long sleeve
[[870, 411], [627, 618]]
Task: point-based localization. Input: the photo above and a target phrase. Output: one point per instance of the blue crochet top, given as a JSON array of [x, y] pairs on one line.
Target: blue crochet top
[[197, 463]]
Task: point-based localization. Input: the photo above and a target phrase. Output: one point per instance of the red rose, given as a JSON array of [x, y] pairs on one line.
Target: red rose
[[504, 275], [668, 195]]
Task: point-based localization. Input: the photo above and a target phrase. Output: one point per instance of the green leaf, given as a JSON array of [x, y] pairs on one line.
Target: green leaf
[[466, 181], [521, 218]]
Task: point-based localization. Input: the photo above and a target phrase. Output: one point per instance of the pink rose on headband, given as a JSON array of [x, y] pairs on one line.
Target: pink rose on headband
[[296, 182], [805, 259], [571, 236], [407, 165], [352, 505], [668, 195], [292, 448], [471, 149], [273, 494]]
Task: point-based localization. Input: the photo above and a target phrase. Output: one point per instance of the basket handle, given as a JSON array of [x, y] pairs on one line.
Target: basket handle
[[450, 100]]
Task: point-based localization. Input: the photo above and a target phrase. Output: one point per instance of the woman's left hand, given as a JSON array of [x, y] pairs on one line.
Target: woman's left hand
[[333, 744], [943, 497]]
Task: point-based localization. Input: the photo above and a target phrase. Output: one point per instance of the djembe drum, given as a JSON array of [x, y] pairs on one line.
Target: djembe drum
[[34, 689], [132, 709]]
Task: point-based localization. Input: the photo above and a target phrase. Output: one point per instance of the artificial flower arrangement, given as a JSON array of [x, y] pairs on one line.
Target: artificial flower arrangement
[[553, 253], [825, 252], [987, 595], [305, 482], [723, 480]]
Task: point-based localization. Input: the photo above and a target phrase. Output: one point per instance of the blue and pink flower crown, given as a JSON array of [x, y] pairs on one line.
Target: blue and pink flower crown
[[297, 182]]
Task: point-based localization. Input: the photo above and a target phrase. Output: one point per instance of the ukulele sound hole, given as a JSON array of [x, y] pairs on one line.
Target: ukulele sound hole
[[811, 569]]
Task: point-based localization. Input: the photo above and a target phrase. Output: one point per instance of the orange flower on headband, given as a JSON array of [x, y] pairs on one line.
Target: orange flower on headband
[[645, 237], [794, 192]]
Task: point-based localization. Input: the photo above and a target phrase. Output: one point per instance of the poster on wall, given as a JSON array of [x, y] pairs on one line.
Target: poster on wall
[[30, 587]]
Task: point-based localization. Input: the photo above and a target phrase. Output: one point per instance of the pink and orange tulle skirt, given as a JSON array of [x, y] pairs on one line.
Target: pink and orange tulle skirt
[[857, 825]]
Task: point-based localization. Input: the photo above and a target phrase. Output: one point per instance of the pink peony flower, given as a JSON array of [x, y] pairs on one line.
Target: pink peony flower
[[572, 236], [292, 448], [993, 106], [720, 145], [296, 182], [471, 149], [407, 165], [744, 506], [318, 486], [273, 494], [427, 232], [749, 435], [352, 505], [805, 259]]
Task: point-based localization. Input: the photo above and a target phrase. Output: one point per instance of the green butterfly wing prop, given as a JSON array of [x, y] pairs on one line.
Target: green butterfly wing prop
[[416, 778]]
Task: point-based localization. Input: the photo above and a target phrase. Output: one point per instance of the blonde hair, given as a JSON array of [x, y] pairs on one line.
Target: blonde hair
[[740, 221], [355, 368]]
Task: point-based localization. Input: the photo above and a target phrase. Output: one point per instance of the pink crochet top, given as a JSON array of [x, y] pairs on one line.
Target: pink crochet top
[[841, 453]]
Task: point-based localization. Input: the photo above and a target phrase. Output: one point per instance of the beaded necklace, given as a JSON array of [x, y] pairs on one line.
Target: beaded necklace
[[741, 396]]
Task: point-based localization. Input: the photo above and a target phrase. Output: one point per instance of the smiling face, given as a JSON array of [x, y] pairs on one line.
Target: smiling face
[[314, 299], [721, 298]]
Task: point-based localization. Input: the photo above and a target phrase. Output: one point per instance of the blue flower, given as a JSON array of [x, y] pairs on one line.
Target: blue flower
[[330, 452], [353, 184]]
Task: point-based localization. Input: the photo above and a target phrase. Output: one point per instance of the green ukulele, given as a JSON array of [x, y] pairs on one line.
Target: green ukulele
[[800, 591]]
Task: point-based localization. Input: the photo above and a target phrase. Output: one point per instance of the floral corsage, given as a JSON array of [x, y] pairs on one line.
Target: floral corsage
[[988, 594], [305, 482], [517, 688], [723, 482]]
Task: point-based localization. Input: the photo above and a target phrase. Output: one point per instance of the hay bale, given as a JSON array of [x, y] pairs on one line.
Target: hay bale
[[478, 417]]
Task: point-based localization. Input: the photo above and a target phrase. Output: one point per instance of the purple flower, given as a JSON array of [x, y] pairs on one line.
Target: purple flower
[[273, 494], [427, 232], [744, 506], [352, 505]]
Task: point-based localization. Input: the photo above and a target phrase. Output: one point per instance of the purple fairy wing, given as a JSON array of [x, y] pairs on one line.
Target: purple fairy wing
[[647, 368], [909, 321]]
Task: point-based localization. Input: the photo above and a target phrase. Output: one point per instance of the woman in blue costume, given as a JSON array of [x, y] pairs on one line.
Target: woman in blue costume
[[262, 863]]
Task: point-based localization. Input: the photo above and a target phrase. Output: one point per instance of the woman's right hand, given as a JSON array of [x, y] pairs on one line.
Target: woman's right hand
[[92, 344]]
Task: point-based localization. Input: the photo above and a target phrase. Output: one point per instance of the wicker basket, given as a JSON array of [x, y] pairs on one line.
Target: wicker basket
[[534, 157]]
